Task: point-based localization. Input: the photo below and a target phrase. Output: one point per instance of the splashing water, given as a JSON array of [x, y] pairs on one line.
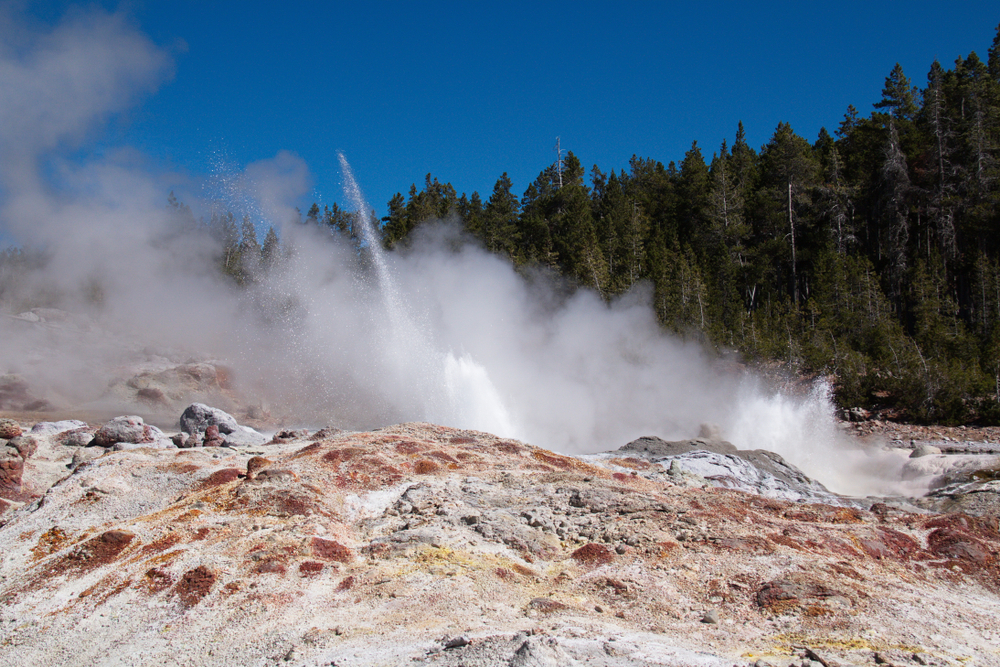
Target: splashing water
[[450, 389]]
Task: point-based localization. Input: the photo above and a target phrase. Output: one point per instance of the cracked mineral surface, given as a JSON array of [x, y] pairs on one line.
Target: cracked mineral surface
[[419, 544]]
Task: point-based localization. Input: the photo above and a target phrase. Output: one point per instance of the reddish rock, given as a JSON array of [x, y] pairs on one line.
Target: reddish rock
[[156, 580], [255, 465], [270, 566], [101, 550], [9, 429], [11, 470], [223, 476], [798, 593], [593, 554], [212, 437], [426, 467], [310, 568], [337, 456], [954, 544], [194, 585], [888, 544], [331, 550]]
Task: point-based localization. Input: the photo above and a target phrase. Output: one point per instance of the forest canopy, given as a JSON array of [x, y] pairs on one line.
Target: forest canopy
[[871, 253]]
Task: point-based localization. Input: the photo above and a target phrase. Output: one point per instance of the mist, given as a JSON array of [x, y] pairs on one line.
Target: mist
[[441, 331]]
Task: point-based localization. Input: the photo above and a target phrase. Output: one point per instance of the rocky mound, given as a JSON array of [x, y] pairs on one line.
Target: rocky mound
[[423, 544]]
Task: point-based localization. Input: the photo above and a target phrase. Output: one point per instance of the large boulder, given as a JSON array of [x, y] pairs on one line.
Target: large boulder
[[198, 417], [52, 428], [244, 436], [709, 459], [130, 430]]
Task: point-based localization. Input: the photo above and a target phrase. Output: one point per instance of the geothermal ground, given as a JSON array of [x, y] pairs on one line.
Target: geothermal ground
[[419, 544]]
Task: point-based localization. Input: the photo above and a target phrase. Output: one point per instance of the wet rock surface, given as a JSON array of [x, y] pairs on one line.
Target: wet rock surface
[[711, 461], [419, 544]]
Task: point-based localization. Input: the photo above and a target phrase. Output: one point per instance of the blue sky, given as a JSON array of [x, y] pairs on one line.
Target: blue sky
[[467, 90]]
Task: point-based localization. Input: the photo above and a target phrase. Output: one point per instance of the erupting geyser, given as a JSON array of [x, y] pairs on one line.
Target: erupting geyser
[[452, 390]]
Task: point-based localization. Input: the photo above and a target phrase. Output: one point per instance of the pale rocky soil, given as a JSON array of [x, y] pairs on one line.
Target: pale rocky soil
[[418, 544]]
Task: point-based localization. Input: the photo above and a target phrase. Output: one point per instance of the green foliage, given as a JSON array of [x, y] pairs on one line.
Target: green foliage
[[872, 254]]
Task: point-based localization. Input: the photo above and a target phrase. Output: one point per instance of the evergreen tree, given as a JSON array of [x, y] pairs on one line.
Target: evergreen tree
[[271, 250], [898, 96], [499, 229], [249, 251], [790, 171]]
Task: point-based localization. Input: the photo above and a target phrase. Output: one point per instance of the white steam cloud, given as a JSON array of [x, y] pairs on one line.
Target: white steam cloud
[[454, 336]]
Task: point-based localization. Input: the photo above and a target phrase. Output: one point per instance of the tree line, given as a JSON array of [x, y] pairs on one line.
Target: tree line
[[871, 254]]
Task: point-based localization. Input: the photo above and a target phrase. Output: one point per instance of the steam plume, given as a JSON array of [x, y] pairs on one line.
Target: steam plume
[[462, 340]]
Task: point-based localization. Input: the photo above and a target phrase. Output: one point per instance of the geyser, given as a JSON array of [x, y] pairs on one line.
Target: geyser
[[336, 335], [456, 391]]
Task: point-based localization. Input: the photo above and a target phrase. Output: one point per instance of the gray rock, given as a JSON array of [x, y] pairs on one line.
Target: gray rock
[[51, 428], [653, 447], [163, 443], [711, 617], [24, 444], [924, 450], [198, 417], [717, 462], [84, 454], [244, 436], [126, 429], [78, 437]]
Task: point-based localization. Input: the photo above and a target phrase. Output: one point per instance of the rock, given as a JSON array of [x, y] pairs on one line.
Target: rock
[[11, 470], [711, 617], [84, 454], [129, 429], [456, 642], [533, 652], [654, 448], [924, 450], [212, 437], [857, 415], [255, 465], [78, 437], [25, 445], [244, 436], [9, 429], [161, 443], [51, 428], [198, 417]]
